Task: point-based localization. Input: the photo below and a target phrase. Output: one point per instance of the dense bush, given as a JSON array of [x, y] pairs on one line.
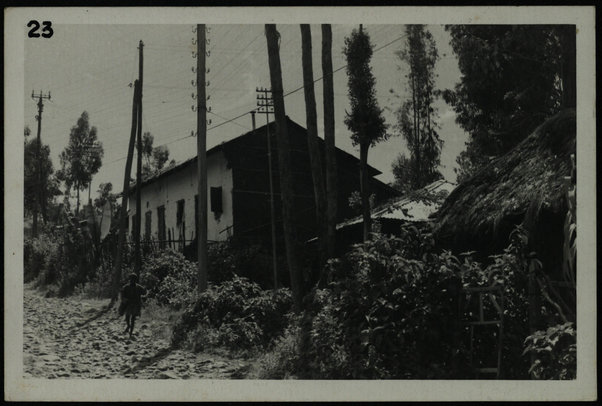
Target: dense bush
[[395, 308], [169, 278], [386, 316], [554, 351], [285, 358], [76, 260], [64, 257], [227, 259], [36, 257], [236, 314]]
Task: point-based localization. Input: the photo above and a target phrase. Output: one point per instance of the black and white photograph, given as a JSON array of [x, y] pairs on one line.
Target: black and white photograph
[[306, 203]]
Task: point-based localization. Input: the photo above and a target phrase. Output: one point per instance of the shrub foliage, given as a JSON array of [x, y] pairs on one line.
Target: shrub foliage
[[236, 314], [396, 308]]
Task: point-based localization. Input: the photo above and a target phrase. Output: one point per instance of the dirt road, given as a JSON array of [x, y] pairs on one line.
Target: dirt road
[[75, 338]]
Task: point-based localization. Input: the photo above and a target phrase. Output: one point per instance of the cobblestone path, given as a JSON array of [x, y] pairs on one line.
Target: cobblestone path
[[74, 338]]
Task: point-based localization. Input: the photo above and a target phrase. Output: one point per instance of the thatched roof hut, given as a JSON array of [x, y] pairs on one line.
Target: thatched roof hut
[[526, 185]]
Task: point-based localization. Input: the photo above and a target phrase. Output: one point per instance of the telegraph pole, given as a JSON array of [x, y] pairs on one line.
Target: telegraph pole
[[138, 254], [124, 196], [201, 157], [40, 96], [265, 104]]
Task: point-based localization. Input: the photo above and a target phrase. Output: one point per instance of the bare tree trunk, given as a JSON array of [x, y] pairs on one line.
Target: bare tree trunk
[[331, 165], [315, 158], [284, 163], [365, 187]]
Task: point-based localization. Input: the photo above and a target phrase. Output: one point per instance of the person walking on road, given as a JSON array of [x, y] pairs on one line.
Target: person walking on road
[[131, 302]]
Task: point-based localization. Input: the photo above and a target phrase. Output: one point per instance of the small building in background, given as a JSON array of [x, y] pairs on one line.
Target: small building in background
[[239, 193], [417, 206]]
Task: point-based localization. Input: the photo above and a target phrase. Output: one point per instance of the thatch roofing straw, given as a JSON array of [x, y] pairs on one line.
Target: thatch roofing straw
[[504, 189]]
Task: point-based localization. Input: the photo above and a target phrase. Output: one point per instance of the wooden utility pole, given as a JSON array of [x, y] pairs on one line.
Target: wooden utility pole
[[124, 195], [329, 144], [138, 254], [265, 104], [201, 157], [38, 205], [284, 164]]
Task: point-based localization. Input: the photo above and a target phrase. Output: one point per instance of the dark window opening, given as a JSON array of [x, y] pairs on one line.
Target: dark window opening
[[216, 199], [180, 212], [147, 224], [161, 225]]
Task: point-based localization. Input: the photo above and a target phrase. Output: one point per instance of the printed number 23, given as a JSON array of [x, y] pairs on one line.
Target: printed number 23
[[35, 25]]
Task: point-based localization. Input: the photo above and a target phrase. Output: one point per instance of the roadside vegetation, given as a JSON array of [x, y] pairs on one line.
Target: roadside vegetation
[[402, 306]]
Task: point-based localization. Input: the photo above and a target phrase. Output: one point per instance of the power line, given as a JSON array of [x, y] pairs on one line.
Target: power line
[[301, 87], [237, 68]]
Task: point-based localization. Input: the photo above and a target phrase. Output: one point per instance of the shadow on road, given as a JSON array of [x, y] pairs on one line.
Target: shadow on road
[[148, 361], [98, 315]]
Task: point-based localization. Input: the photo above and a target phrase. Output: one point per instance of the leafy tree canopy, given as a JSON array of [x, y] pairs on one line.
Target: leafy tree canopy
[[155, 157], [46, 184], [511, 82], [82, 158], [417, 116], [365, 121]]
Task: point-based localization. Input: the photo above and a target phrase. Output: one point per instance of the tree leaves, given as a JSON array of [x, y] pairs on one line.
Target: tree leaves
[[416, 117], [509, 85], [82, 158], [365, 121]]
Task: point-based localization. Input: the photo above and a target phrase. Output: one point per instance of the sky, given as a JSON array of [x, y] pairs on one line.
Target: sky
[[91, 68]]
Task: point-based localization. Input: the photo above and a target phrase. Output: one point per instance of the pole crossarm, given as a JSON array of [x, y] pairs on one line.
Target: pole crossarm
[[38, 204], [265, 104]]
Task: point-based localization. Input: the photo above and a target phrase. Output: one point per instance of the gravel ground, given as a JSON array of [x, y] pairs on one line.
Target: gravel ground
[[79, 338]]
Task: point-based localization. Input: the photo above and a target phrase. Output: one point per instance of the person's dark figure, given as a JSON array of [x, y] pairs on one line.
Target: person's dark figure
[[131, 302]]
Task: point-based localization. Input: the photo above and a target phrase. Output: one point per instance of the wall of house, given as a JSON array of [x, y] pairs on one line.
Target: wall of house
[[182, 185], [248, 158]]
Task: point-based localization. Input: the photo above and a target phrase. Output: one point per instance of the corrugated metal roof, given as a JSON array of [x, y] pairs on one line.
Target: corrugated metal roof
[[407, 208]]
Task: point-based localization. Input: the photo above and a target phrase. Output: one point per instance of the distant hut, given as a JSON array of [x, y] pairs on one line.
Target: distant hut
[[415, 207], [525, 186]]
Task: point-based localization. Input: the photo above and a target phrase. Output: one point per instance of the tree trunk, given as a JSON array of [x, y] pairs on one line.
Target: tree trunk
[[284, 163], [365, 187], [77, 207], [331, 165], [568, 61], [416, 136], [315, 158]]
